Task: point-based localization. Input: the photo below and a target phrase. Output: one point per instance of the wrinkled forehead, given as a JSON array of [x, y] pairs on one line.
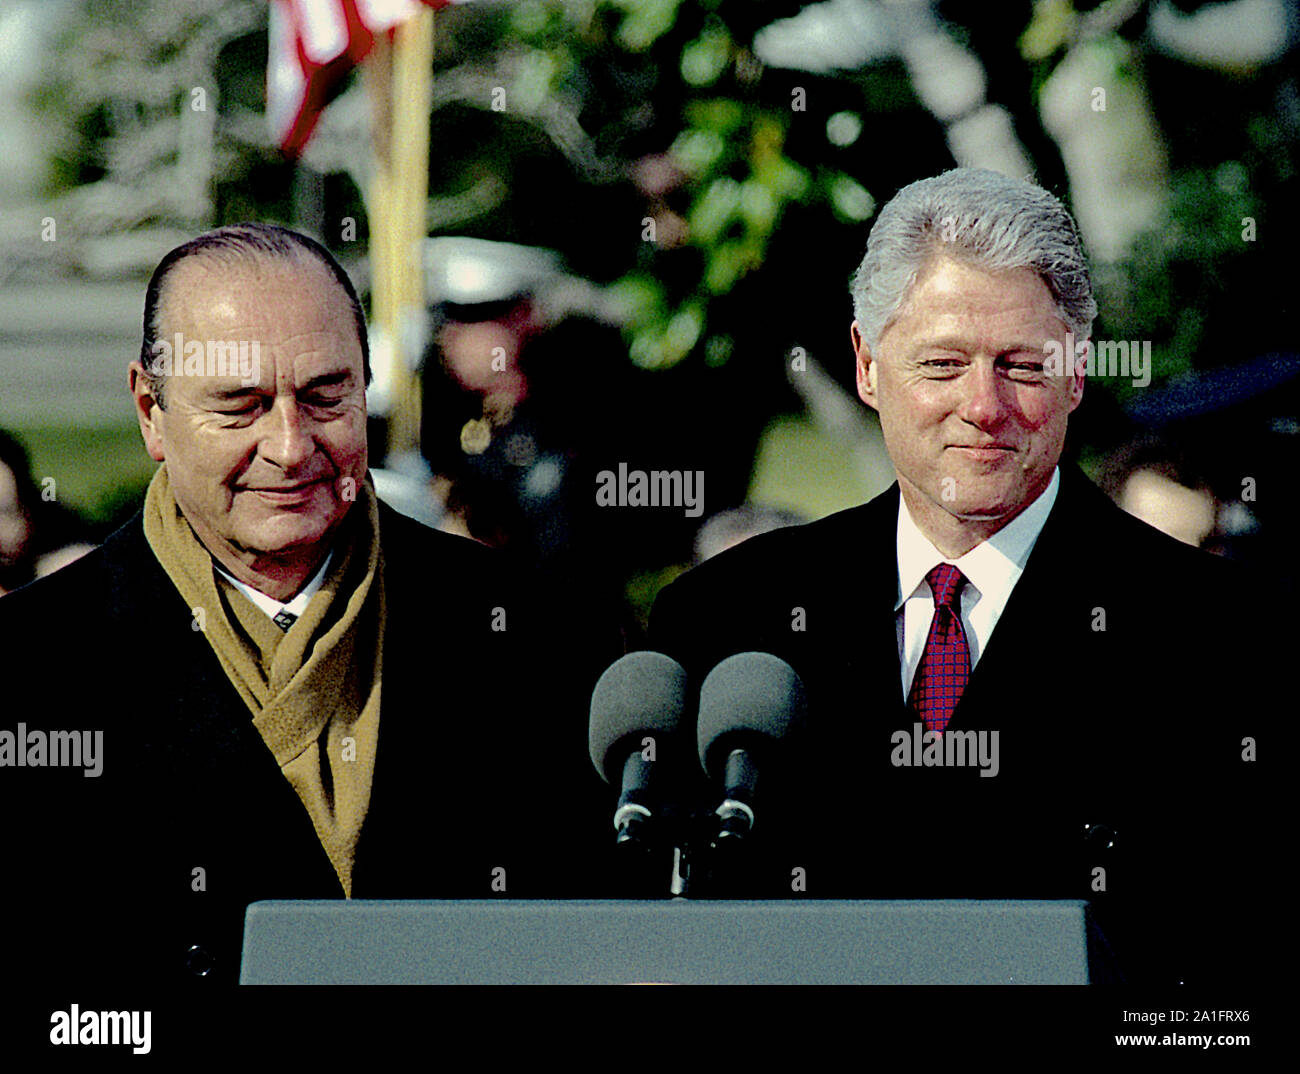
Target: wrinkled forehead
[[262, 322]]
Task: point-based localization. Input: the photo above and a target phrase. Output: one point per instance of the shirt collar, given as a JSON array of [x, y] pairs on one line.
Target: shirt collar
[[270, 605], [992, 567]]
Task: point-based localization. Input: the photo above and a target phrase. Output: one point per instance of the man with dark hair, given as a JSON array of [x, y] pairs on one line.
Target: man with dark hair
[[278, 687], [1015, 690]]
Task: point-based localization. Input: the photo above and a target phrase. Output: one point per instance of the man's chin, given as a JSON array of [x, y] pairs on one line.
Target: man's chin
[[990, 508], [287, 537]]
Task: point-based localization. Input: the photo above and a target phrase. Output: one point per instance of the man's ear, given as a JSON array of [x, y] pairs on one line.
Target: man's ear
[[148, 411], [866, 368]]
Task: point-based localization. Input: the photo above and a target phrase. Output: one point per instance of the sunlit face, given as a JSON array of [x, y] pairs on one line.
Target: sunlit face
[[972, 419], [264, 471]]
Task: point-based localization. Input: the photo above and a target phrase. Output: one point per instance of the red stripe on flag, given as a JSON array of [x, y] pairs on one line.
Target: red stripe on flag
[[298, 87]]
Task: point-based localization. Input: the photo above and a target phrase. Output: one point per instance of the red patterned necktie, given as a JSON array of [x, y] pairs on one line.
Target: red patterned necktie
[[945, 664]]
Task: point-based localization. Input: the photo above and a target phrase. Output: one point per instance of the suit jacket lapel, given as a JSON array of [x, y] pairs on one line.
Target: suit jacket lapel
[[858, 581], [878, 654]]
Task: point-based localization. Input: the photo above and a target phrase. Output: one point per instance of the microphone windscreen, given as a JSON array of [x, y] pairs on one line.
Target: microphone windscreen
[[756, 693], [640, 694]]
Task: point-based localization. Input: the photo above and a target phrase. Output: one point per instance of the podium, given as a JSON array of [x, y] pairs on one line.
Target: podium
[[515, 942]]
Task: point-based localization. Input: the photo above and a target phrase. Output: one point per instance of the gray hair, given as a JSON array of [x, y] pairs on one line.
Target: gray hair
[[980, 217]]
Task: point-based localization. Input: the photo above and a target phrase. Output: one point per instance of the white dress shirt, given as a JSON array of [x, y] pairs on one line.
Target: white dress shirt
[[270, 605], [992, 569]]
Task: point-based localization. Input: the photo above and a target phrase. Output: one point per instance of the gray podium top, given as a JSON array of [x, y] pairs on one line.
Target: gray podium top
[[619, 942]]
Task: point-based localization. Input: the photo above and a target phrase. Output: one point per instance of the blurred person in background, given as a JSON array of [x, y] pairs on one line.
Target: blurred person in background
[[528, 396], [37, 535], [1152, 481], [729, 528], [481, 431]]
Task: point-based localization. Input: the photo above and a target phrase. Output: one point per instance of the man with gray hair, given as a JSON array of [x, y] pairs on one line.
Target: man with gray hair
[[1006, 692]]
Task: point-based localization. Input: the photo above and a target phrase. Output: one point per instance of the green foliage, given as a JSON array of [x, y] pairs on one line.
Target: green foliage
[[1198, 283], [1173, 277], [117, 92], [644, 22], [737, 182], [627, 111]]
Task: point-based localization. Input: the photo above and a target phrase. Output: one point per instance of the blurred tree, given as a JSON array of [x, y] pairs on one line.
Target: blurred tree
[[132, 86], [724, 200]]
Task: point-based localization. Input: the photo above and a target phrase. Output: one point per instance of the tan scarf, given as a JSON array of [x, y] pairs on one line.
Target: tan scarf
[[313, 690]]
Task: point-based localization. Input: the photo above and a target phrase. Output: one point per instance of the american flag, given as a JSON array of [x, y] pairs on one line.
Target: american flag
[[313, 45]]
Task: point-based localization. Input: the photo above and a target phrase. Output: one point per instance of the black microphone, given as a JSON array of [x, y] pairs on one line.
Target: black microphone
[[748, 704], [636, 710]]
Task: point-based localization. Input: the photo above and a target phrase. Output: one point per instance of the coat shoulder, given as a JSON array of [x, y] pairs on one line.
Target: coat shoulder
[[795, 552], [423, 562], [402, 537], [1138, 555]]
